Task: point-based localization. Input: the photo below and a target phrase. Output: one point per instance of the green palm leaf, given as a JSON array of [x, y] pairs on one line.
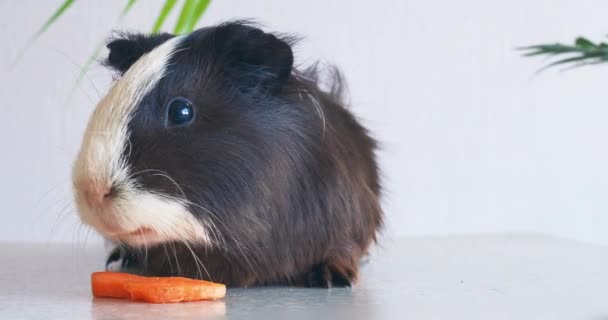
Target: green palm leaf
[[184, 16], [190, 14], [51, 20], [582, 52], [93, 57], [126, 9], [162, 16], [200, 8], [58, 13]]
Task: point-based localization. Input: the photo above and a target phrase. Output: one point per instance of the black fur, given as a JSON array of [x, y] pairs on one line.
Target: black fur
[[126, 48], [285, 174]]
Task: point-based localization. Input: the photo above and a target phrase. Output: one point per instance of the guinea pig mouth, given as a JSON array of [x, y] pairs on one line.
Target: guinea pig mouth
[[136, 232], [142, 236]]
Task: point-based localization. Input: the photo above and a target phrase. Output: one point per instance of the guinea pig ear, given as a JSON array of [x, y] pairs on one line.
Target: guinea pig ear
[[252, 57], [127, 48]]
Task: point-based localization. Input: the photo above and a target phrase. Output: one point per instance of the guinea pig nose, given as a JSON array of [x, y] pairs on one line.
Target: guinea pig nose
[[98, 194]]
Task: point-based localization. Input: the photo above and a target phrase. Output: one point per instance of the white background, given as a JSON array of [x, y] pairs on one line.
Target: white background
[[472, 141]]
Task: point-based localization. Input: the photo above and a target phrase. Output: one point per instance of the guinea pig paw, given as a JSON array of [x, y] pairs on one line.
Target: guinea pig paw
[[318, 277], [120, 259], [324, 276]]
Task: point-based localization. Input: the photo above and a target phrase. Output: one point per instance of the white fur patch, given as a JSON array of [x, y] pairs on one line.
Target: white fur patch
[[115, 265], [101, 161]]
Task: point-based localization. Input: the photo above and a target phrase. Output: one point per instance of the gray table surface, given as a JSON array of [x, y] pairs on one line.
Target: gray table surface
[[514, 276]]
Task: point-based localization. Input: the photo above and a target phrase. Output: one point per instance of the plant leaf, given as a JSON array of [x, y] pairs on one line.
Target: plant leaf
[[126, 9], [86, 66], [162, 16], [200, 8], [95, 54], [91, 59], [556, 48], [583, 42], [567, 60], [583, 52], [184, 16], [58, 13]]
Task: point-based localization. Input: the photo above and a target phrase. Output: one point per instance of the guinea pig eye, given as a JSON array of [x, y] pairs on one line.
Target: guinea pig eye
[[180, 111]]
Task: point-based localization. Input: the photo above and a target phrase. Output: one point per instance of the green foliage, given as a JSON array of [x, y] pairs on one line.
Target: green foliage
[[190, 14], [52, 19], [162, 16], [89, 63], [582, 52]]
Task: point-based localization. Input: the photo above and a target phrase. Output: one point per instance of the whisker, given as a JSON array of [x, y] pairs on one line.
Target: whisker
[[53, 188], [77, 66], [86, 235], [238, 244], [318, 107], [179, 270], [65, 211], [197, 260], [218, 239], [164, 245]]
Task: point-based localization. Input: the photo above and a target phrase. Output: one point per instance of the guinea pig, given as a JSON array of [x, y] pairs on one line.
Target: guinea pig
[[213, 157]]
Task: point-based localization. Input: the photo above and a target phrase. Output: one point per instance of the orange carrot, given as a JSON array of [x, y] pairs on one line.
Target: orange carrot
[[174, 289], [154, 289], [111, 284]]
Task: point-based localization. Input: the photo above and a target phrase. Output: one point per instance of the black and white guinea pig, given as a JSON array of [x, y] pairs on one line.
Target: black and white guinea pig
[[212, 157]]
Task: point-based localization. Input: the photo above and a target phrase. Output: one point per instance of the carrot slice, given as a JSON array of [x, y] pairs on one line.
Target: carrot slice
[[111, 284], [174, 289], [154, 289]]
